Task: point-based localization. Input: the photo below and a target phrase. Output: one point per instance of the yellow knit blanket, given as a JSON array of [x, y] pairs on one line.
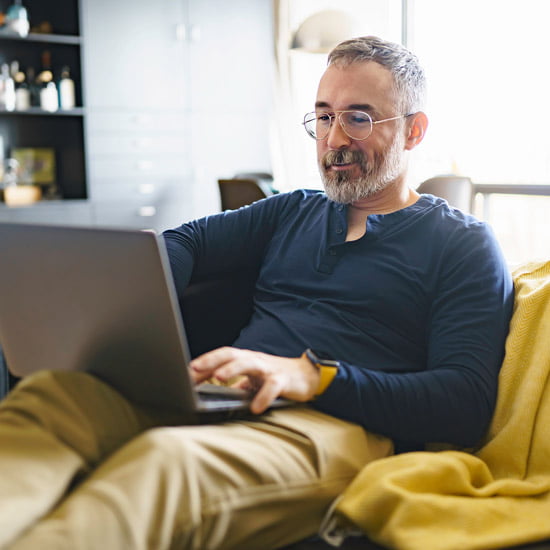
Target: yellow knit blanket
[[496, 497]]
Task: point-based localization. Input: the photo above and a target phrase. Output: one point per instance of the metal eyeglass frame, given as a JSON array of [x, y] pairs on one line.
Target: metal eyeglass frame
[[338, 115]]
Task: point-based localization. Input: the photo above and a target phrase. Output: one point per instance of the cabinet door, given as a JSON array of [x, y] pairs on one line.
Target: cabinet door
[[134, 56], [231, 91]]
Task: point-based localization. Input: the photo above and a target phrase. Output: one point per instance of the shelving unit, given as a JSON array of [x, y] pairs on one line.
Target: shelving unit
[[61, 130], [44, 38], [164, 107]]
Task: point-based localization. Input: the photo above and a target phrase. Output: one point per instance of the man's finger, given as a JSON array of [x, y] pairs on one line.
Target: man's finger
[[212, 359], [270, 390]]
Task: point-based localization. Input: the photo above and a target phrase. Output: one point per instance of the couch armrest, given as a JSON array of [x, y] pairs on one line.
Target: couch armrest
[[4, 376]]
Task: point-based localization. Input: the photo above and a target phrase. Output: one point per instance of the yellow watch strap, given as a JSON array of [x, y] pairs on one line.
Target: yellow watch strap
[[327, 375]]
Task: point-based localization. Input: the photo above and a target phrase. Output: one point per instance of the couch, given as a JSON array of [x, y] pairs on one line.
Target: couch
[[214, 311]]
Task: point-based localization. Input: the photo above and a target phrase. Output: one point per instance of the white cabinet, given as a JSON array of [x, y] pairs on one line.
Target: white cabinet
[[135, 54], [137, 137]]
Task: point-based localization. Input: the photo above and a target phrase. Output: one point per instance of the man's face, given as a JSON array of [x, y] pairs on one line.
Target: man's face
[[352, 170]]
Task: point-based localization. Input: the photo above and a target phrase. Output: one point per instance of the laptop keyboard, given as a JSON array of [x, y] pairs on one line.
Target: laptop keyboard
[[212, 392]]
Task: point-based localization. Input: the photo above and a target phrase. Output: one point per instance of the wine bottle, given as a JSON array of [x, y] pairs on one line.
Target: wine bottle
[[7, 89], [34, 87], [22, 92], [66, 90], [48, 89], [48, 97], [45, 75]]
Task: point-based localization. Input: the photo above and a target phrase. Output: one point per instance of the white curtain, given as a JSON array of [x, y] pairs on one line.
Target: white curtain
[[298, 70]]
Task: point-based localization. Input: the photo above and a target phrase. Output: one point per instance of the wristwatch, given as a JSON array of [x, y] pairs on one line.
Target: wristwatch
[[327, 366]]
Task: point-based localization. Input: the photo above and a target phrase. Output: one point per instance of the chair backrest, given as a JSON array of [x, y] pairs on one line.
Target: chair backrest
[[214, 311], [238, 192], [458, 191]]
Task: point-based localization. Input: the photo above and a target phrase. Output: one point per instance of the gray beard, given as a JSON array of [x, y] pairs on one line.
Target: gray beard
[[382, 171]]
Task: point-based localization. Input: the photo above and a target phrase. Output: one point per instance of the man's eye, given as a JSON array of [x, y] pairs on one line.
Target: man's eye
[[358, 119], [325, 119]]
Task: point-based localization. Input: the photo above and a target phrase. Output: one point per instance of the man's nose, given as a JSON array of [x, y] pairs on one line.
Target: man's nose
[[337, 138]]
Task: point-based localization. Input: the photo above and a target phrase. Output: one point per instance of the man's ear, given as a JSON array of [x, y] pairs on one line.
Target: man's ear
[[417, 129]]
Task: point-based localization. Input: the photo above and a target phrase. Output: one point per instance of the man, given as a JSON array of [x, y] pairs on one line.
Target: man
[[408, 298]]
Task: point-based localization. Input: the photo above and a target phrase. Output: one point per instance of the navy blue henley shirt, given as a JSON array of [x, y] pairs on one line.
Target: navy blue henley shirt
[[417, 310]]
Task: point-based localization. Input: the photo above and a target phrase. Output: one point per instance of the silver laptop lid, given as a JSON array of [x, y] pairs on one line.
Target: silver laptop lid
[[96, 300]]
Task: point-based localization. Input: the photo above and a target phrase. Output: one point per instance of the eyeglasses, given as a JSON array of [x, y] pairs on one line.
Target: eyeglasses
[[357, 125]]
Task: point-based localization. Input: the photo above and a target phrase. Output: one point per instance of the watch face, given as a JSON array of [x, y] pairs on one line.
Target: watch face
[[322, 357]]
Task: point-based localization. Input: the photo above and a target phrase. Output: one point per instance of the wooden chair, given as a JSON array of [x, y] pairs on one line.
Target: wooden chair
[[237, 192], [458, 191]]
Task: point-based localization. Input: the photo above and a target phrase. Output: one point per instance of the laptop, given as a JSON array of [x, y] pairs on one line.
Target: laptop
[[101, 301]]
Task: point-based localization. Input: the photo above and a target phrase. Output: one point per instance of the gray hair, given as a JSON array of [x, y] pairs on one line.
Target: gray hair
[[408, 75]]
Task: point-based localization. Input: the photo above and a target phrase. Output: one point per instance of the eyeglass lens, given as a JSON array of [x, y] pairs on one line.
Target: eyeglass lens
[[356, 124]]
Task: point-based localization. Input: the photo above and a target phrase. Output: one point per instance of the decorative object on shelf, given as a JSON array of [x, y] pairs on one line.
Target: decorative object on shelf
[[48, 97], [36, 165], [22, 195], [17, 19], [22, 90], [66, 90], [49, 100], [7, 89], [44, 27], [54, 42], [10, 174], [14, 192]]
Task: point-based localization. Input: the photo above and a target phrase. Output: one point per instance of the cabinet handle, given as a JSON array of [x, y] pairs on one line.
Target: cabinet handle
[[141, 118], [142, 143], [181, 32], [147, 211], [195, 33], [144, 165], [146, 188]]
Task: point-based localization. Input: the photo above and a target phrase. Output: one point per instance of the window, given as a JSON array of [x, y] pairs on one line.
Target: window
[[488, 86], [488, 80]]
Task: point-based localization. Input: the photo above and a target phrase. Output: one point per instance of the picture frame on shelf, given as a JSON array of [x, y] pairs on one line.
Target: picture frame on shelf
[[36, 165]]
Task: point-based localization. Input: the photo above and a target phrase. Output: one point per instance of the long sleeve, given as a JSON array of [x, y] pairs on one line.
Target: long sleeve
[[225, 242], [417, 310], [452, 400]]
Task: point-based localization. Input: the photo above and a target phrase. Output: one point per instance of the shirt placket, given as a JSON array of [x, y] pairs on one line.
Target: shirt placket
[[333, 247]]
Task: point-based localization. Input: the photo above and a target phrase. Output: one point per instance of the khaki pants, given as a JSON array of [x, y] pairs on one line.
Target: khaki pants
[[82, 468]]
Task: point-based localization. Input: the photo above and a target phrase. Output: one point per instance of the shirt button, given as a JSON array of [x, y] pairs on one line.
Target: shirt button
[[332, 252], [339, 231], [340, 208]]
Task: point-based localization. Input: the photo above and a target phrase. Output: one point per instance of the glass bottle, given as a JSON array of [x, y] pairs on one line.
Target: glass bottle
[[66, 90]]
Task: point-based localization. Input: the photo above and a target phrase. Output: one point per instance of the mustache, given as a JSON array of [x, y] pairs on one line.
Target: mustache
[[342, 157]]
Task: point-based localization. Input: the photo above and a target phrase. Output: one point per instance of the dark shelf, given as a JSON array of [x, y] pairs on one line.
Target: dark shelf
[[34, 128], [37, 111], [43, 38]]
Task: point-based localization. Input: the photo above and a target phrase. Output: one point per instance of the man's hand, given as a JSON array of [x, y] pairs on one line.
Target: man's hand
[[272, 376]]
